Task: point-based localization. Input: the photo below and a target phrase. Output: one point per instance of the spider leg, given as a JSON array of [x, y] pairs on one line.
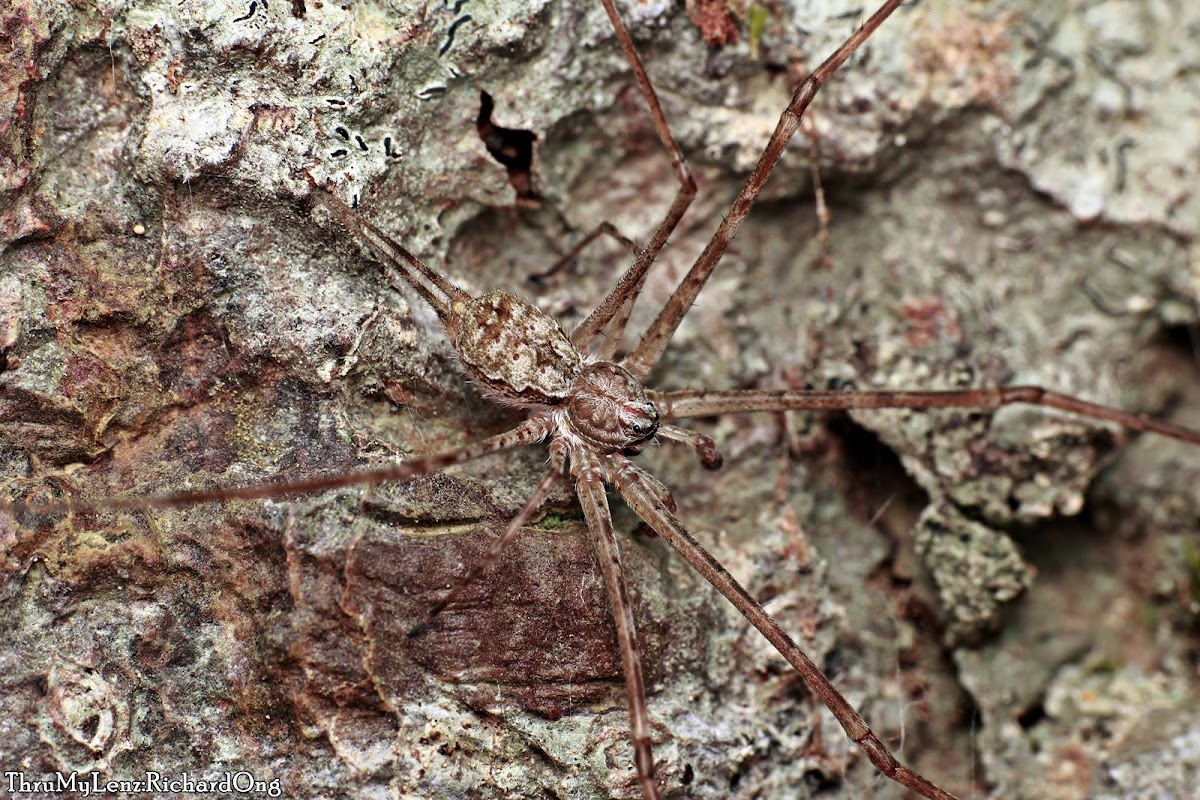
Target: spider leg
[[481, 565], [532, 430], [620, 300], [654, 340], [809, 129], [669, 528], [677, 405], [590, 488], [618, 472], [436, 290], [603, 229]]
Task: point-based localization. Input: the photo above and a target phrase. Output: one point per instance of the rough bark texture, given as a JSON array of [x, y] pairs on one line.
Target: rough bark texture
[[1012, 197]]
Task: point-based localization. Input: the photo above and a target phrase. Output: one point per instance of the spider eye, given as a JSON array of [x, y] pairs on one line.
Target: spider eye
[[641, 428]]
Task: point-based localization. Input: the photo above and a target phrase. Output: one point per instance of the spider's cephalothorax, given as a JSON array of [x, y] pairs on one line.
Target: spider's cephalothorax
[[609, 409]]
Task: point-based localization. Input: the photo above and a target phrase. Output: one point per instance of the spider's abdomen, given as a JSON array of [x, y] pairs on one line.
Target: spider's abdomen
[[514, 351]]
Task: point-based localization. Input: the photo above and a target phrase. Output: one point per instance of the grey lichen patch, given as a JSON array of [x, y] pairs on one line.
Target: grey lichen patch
[[266, 98], [961, 309], [977, 570], [1161, 754], [1105, 117], [1127, 707]]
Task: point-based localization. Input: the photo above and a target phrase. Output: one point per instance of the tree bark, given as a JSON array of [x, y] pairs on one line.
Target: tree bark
[[1011, 201]]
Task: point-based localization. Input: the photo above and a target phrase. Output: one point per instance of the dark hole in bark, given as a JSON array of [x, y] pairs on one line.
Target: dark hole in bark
[[1031, 716], [90, 726], [1184, 339], [511, 147]]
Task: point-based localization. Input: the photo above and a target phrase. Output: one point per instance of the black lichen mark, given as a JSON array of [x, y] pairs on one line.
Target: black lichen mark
[[1122, 176], [511, 147], [1034, 714], [356, 142], [342, 133], [454, 26], [430, 92], [251, 10]]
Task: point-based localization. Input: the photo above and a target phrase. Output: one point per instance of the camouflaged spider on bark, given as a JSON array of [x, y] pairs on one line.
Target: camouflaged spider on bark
[[587, 401]]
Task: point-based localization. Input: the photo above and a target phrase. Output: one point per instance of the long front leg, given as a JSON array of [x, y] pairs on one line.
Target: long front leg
[[679, 405], [620, 300], [669, 528], [654, 341], [590, 487]]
